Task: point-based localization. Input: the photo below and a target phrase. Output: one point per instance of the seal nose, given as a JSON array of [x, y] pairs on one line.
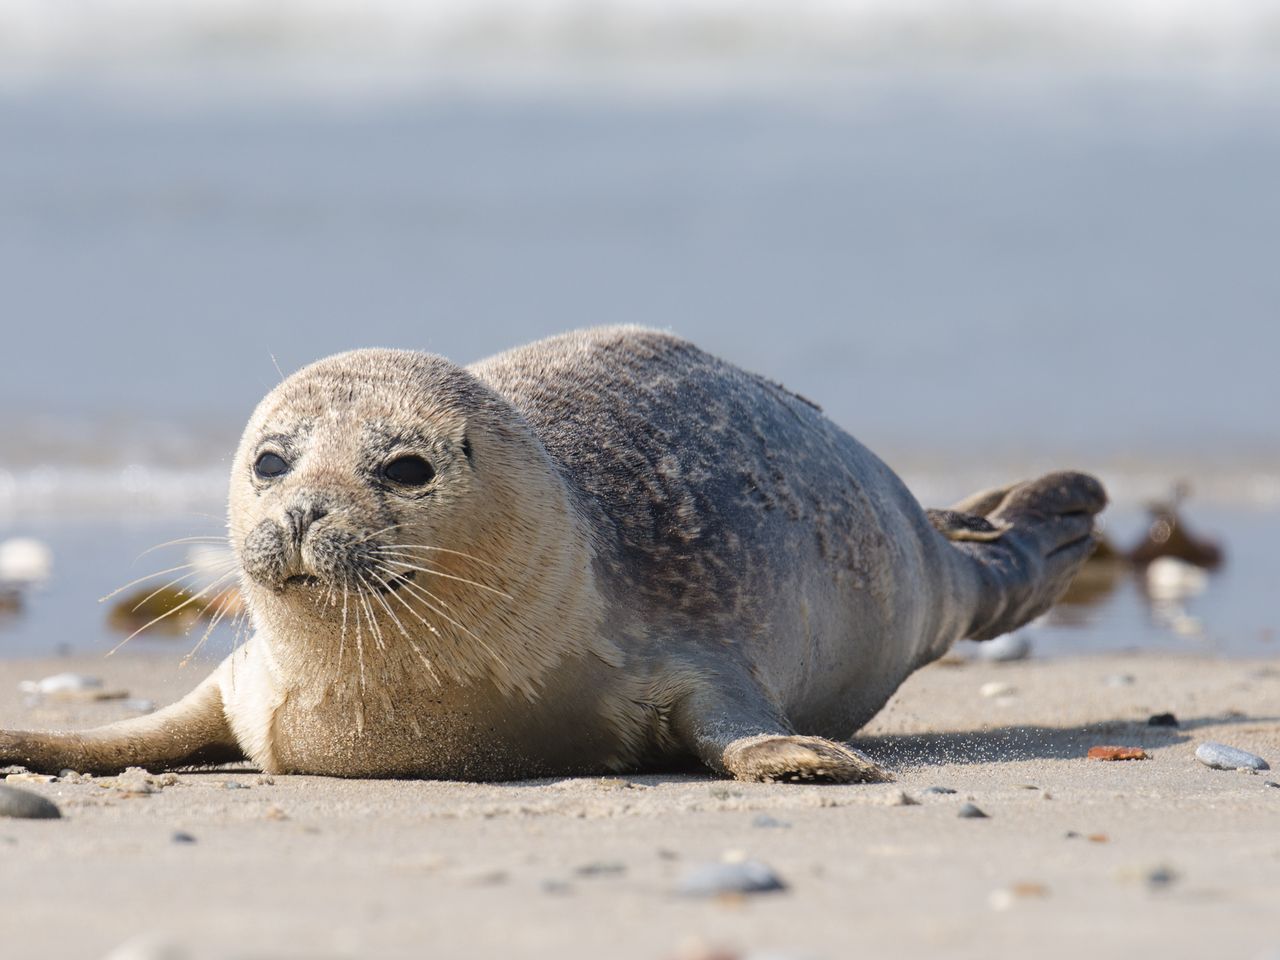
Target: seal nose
[[299, 518]]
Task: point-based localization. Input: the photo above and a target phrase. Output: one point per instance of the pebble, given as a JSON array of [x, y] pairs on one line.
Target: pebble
[[24, 560], [1221, 757], [1162, 720], [765, 820], [721, 879], [61, 683], [1005, 649], [1119, 680], [1158, 878], [602, 868], [997, 689], [232, 785], [1272, 783], [938, 790], [26, 805], [181, 836], [971, 811], [1117, 753]]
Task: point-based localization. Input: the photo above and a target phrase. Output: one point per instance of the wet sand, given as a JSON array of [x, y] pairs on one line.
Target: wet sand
[[1076, 856]]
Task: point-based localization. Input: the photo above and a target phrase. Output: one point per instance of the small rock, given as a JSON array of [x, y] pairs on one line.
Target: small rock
[[1271, 783], [971, 811], [181, 836], [233, 785], [764, 820], [938, 790], [602, 868], [997, 689], [1005, 649], [721, 792], [61, 683], [25, 805], [1221, 757], [1119, 680], [1162, 720], [138, 705], [722, 879], [265, 781], [1005, 898], [1157, 878], [1117, 753], [25, 561]]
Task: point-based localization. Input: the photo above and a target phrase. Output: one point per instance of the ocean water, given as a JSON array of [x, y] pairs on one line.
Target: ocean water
[[987, 244]]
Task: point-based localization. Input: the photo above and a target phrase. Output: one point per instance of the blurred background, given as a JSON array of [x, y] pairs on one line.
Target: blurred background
[[989, 237]]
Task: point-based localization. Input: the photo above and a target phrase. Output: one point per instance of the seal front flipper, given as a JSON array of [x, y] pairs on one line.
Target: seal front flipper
[[191, 732], [726, 720], [1046, 533]]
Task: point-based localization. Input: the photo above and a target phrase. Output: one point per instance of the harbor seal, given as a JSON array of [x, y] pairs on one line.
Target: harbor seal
[[603, 551]]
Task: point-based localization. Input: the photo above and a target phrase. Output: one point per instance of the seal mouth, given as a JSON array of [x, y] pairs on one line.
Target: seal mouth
[[302, 580]]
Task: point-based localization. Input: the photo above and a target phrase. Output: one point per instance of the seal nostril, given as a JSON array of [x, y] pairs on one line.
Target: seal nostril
[[300, 518]]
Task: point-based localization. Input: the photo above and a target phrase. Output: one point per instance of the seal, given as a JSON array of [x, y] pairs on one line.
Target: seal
[[603, 551]]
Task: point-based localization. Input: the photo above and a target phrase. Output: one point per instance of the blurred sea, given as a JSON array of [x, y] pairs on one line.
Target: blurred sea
[[989, 239]]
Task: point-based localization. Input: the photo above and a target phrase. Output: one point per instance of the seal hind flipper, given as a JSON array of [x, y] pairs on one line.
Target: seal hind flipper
[[1048, 534], [955, 525]]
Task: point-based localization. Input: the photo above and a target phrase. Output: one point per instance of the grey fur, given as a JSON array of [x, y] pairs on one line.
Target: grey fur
[[682, 559]]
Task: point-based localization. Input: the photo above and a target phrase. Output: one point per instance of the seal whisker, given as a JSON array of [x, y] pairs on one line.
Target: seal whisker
[[208, 539], [150, 576], [426, 596], [224, 605], [450, 576], [390, 549], [168, 613], [172, 583], [374, 628]]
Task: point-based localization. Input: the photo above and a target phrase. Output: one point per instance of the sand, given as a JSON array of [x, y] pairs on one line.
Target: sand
[[1077, 858]]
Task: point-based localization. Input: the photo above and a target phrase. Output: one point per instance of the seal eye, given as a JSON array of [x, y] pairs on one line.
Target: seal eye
[[270, 465], [409, 471]]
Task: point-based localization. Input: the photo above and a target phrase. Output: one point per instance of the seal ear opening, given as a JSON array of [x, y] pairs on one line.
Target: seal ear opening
[[466, 449]]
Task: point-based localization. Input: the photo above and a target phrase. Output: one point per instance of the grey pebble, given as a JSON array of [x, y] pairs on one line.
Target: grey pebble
[[232, 785], [717, 879], [26, 805], [1120, 680], [1162, 720], [181, 836], [939, 790], [1272, 783], [971, 811], [765, 820], [602, 868], [1010, 647], [1221, 757], [1160, 877]]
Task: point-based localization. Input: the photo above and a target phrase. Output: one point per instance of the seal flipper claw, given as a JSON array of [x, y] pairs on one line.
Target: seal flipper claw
[[727, 721], [1049, 534], [808, 759]]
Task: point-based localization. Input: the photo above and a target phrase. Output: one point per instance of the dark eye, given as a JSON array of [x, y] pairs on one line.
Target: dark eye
[[270, 465], [410, 471]]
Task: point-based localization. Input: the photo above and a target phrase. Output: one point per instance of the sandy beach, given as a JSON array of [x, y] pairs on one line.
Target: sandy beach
[[1075, 856]]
